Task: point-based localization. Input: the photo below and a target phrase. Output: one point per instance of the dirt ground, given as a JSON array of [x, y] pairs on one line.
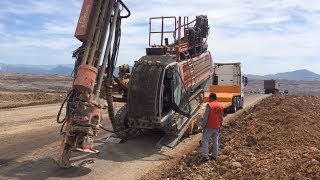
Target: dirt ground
[[20, 99], [277, 139], [31, 139], [18, 90], [13, 82]]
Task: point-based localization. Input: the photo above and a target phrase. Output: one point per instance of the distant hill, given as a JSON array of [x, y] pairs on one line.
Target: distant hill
[[65, 69], [62, 69], [303, 74]]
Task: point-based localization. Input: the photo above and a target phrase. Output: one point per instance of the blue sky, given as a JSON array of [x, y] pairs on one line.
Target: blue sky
[[267, 36]]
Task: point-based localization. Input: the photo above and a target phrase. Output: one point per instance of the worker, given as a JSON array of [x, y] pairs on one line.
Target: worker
[[211, 123]]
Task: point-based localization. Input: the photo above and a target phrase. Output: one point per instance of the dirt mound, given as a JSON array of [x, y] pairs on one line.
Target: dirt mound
[[11, 100], [277, 139]]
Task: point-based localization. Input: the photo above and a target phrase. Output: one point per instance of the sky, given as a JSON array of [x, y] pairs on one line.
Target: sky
[[266, 36]]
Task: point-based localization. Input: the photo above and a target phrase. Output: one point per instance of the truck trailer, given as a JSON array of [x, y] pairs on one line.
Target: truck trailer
[[228, 84], [271, 86]]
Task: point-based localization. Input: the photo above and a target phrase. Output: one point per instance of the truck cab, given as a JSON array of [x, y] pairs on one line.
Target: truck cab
[[228, 82]]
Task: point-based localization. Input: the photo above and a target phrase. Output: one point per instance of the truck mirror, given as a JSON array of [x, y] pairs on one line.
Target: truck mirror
[[215, 80], [245, 81]]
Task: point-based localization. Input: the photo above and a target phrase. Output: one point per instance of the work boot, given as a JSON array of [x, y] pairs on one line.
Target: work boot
[[214, 158], [205, 159]]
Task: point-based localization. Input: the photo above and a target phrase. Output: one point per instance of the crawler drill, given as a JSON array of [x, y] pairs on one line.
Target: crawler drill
[[165, 88]]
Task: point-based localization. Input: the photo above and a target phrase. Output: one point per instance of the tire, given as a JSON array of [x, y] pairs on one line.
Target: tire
[[238, 103], [241, 102], [234, 105]]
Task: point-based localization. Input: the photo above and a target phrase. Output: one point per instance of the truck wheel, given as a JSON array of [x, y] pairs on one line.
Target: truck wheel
[[241, 102], [238, 103], [234, 105]]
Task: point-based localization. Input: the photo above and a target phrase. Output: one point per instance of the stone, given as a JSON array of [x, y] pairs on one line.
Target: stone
[[222, 170], [317, 157], [233, 152], [236, 165], [314, 162], [181, 167], [314, 149], [223, 158], [198, 177], [227, 150]]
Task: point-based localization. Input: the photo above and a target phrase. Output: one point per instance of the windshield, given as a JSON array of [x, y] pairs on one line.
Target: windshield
[[180, 97]]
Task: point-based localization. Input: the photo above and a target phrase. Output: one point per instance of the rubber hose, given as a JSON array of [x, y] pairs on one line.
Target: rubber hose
[[59, 113]]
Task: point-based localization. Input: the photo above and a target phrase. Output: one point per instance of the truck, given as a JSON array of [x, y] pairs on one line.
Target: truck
[[165, 88], [271, 86], [228, 83]]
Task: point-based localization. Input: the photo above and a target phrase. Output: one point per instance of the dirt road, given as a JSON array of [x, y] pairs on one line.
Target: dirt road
[[30, 139]]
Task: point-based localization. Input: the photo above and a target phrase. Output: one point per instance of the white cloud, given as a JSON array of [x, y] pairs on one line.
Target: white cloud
[[270, 20], [58, 28], [268, 36], [2, 30], [31, 7]]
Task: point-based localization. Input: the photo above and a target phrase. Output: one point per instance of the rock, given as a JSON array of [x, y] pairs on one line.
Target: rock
[[227, 150], [314, 149], [236, 165], [250, 154], [224, 158], [305, 155], [253, 159], [198, 177], [314, 162], [222, 170], [317, 157], [233, 153], [277, 158], [181, 167], [250, 141]]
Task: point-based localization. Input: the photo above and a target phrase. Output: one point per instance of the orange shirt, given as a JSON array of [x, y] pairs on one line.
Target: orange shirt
[[215, 114]]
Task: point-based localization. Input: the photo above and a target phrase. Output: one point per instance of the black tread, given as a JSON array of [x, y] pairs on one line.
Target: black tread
[[120, 126]]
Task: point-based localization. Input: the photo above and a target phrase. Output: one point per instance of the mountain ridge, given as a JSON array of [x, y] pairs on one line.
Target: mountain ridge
[[59, 69], [301, 74], [67, 69]]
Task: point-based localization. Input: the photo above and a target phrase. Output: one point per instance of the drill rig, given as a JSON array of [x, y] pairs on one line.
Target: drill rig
[[166, 85], [99, 30], [165, 88]]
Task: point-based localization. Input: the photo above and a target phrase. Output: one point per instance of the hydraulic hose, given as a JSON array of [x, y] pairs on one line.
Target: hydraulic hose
[[127, 9], [59, 113]]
